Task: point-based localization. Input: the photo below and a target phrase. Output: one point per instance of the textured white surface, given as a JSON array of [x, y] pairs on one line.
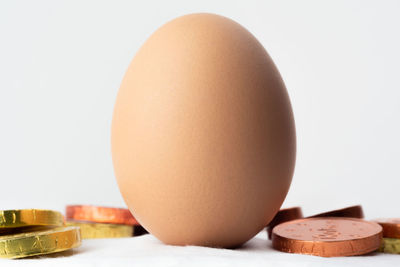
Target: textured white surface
[[61, 64], [148, 251]]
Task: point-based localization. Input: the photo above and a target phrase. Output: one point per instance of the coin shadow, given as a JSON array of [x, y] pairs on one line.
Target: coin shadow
[[255, 244], [373, 253]]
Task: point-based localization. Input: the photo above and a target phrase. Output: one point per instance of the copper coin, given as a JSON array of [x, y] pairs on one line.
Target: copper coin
[[327, 237], [391, 227], [351, 212], [284, 215], [100, 214]]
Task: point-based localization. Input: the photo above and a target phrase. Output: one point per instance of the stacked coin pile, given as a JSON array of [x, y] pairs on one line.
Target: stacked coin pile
[[330, 234], [31, 232], [103, 222], [391, 235]]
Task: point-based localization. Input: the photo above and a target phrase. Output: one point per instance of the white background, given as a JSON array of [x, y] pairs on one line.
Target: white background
[[61, 64]]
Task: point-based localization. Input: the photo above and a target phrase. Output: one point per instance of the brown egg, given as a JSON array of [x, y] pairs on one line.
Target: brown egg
[[203, 135]]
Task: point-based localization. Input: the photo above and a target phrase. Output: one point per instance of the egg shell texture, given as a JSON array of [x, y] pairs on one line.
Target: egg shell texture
[[203, 135]]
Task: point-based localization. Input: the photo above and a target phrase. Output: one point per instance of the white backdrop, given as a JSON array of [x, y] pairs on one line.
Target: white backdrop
[[61, 63]]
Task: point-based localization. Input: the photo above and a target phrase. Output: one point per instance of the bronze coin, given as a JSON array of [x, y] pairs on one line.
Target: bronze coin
[[327, 237], [284, 215], [351, 212], [100, 214], [391, 227]]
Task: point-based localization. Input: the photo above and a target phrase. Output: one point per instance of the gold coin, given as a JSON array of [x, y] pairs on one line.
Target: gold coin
[[24, 229], [30, 217], [102, 230], [39, 242], [390, 245]]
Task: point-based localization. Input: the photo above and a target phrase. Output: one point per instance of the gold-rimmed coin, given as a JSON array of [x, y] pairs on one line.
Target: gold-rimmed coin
[[24, 229], [39, 242], [91, 230], [390, 245], [30, 217]]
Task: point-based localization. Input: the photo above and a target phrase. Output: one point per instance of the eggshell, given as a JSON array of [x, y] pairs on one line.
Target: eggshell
[[203, 135]]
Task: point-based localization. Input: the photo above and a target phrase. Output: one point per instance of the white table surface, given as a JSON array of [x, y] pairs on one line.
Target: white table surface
[[148, 251]]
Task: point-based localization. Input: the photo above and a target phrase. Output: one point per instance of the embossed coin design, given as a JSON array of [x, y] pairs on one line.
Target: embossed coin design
[[391, 227], [39, 242], [327, 237], [103, 230], [30, 217], [100, 214], [284, 215], [351, 212]]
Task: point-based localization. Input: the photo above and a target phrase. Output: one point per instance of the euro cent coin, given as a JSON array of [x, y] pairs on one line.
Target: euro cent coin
[[100, 214], [327, 236], [391, 227], [284, 215], [351, 212]]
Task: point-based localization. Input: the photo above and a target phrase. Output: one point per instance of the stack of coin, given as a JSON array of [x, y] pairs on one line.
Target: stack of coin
[[31, 232], [391, 235], [329, 234], [103, 222]]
